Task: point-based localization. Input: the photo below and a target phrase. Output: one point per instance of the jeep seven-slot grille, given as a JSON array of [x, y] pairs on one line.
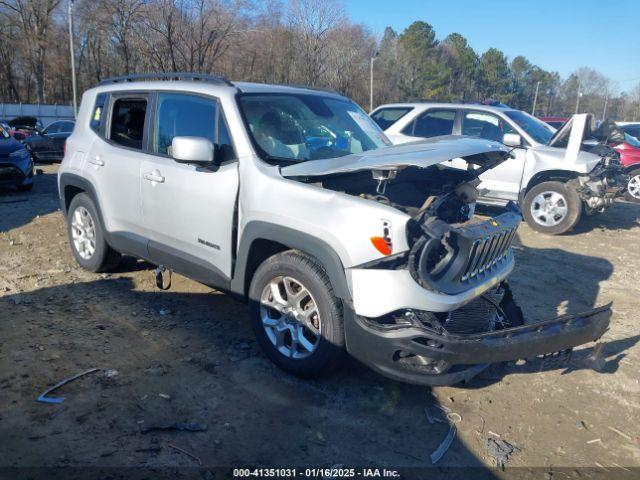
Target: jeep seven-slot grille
[[487, 252]]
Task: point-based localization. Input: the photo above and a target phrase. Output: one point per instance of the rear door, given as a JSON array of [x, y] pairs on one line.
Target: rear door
[[188, 210], [114, 163], [503, 181]]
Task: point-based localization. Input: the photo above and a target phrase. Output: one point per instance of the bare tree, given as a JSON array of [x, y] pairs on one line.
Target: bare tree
[[34, 18]]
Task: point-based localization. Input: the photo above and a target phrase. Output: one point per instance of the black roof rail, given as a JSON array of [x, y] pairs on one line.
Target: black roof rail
[[216, 79]]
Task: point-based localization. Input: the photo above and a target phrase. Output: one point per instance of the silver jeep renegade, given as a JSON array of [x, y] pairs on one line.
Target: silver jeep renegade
[[295, 201]]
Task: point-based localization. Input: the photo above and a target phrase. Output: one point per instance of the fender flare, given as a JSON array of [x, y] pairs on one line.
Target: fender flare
[[81, 183], [324, 253]]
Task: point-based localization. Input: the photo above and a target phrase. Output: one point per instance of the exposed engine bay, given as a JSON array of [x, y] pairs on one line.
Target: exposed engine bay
[[450, 250]]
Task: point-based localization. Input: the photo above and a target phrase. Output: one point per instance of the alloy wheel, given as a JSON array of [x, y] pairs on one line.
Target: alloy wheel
[[290, 317], [83, 233], [633, 187]]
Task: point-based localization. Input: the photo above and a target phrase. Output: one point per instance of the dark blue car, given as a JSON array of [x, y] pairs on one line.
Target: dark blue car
[[16, 165]]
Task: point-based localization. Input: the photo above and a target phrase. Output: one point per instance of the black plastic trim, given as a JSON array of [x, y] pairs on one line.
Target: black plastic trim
[[377, 346], [258, 230]]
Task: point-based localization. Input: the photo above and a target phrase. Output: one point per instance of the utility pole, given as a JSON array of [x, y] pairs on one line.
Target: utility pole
[[535, 100], [604, 110], [73, 62], [578, 95], [371, 82]]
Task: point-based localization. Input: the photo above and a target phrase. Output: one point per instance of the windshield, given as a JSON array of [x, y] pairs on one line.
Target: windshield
[[537, 129], [300, 127], [3, 133]]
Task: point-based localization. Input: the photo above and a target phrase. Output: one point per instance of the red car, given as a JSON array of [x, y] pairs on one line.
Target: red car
[[630, 158], [555, 122]]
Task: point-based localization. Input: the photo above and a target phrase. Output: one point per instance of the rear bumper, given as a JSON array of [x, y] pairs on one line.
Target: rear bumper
[[421, 356]]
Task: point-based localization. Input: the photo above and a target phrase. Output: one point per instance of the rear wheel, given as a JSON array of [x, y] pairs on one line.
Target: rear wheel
[[86, 236], [552, 207], [633, 187], [295, 314]]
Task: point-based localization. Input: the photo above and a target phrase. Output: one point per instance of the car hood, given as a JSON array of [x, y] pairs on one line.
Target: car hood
[[8, 146], [421, 154]]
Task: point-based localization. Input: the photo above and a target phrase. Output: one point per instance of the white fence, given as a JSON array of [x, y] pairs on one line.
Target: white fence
[[45, 113]]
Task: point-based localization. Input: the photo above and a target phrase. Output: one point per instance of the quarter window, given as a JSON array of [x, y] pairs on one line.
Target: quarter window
[[432, 123], [485, 125], [127, 123], [96, 116]]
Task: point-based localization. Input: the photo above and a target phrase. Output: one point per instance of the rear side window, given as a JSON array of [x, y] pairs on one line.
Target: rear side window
[[432, 123], [96, 116], [179, 115], [127, 122], [385, 117]]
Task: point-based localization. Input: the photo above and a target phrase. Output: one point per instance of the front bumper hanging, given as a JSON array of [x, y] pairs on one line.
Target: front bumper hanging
[[447, 359]]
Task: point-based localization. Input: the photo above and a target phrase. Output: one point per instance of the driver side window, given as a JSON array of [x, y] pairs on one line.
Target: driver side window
[[485, 125]]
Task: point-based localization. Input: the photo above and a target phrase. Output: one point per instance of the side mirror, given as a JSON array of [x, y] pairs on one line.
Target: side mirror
[[196, 150], [512, 140]]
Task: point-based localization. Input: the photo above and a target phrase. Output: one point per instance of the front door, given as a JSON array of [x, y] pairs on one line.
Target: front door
[[189, 211], [503, 181]]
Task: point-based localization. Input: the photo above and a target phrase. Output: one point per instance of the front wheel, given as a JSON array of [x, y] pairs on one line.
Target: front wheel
[[633, 187], [295, 314], [552, 208]]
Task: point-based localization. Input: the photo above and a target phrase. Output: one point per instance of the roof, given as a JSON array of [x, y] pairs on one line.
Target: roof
[[425, 105], [200, 82]]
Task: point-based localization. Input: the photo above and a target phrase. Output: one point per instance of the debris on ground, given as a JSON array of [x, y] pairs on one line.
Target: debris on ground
[[182, 427], [432, 418], [165, 396], [164, 311], [500, 451], [111, 373], [46, 399], [186, 453], [439, 452]]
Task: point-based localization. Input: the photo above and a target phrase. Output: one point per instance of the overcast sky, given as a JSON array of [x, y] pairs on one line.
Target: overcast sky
[[560, 35]]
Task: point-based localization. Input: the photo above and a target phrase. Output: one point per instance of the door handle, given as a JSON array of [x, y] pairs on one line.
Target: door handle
[[154, 177], [97, 161]]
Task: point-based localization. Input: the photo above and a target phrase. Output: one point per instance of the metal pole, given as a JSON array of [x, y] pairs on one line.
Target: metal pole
[[535, 100], [371, 85], [604, 111], [73, 62], [578, 97]]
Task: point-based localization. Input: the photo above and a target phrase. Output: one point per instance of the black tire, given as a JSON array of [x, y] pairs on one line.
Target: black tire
[[104, 258], [25, 188], [329, 351], [627, 195], [573, 203]]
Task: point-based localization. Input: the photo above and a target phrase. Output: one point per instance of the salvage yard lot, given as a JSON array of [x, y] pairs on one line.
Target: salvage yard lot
[[188, 355]]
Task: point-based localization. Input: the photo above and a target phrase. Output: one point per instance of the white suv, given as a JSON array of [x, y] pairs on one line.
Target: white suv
[[293, 200], [551, 174]]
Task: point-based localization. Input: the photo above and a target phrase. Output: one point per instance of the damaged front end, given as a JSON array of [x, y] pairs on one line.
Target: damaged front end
[[606, 182], [439, 311], [430, 349]]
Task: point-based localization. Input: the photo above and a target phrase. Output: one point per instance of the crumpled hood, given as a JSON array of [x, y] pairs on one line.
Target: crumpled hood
[[422, 154]]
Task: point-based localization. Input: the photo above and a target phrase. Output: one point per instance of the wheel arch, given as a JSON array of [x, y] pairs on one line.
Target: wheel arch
[[548, 176], [261, 240]]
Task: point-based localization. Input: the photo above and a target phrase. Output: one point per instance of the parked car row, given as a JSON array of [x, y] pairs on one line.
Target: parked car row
[[23, 141], [554, 175]]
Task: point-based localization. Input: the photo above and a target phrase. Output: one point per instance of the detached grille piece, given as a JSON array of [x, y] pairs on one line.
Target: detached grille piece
[[457, 258], [487, 252]]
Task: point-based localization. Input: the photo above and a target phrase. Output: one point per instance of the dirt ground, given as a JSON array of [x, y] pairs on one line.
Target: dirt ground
[[188, 355]]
